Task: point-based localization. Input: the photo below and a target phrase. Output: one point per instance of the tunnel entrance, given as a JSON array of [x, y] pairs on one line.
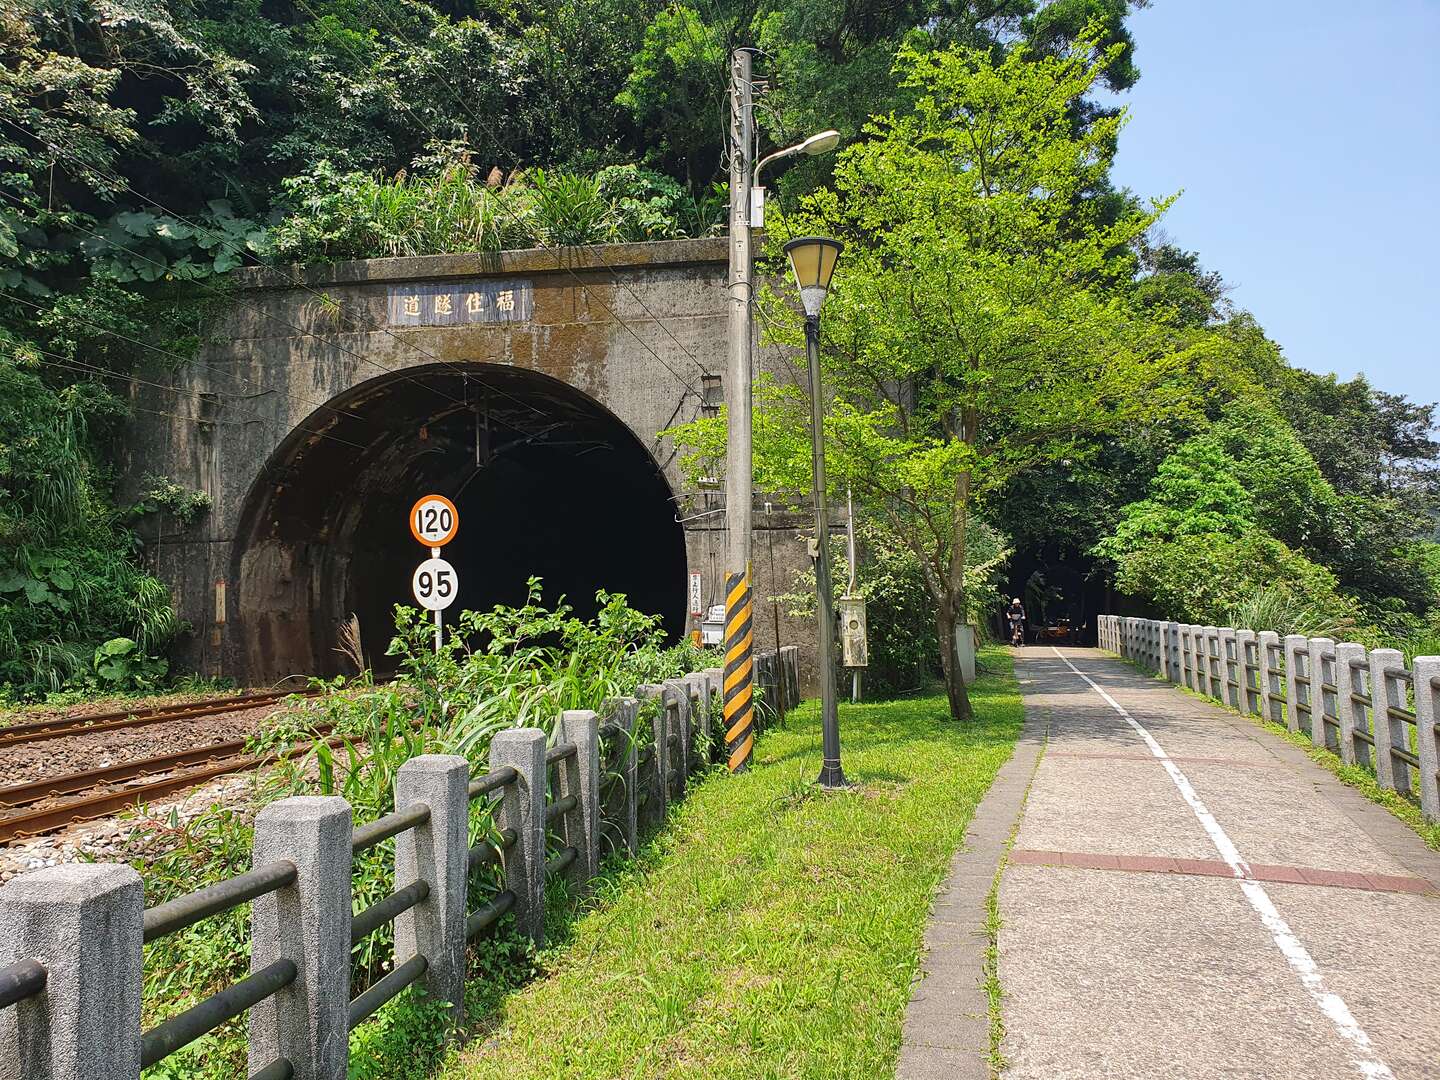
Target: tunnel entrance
[[547, 483]]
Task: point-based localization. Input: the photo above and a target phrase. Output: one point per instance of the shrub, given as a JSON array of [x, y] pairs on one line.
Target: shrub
[[1202, 578]]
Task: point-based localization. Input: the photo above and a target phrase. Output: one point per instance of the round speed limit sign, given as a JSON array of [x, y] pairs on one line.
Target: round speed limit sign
[[434, 520], [434, 584]]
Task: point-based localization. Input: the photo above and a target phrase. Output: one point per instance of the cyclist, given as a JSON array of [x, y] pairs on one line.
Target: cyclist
[[1015, 616]]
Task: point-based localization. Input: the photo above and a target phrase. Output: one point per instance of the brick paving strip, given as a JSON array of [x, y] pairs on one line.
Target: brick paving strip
[[1290, 875], [1126, 948]]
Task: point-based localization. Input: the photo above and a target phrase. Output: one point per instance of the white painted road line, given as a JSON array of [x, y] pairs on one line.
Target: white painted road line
[[1295, 953]]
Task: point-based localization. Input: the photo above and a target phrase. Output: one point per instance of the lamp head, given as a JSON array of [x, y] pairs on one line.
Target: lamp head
[[812, 259], [820, 143]]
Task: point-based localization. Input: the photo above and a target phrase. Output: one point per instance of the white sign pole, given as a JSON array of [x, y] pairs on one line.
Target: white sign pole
[[439, 614]]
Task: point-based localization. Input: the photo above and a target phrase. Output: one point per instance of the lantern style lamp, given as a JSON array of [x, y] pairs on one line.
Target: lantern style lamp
[[813, 258]]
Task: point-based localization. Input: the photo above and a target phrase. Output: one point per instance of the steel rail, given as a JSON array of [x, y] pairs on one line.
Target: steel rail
[[15, 734], [365, 1006], [279, 1069], [89, 807], [561, 860], [164, 1039], [486, 852], [20, 980], [381, 829], [383, 911], [69, 783], [492, 781], [183, 911], [560, 752], [488, 914], [560, 807]]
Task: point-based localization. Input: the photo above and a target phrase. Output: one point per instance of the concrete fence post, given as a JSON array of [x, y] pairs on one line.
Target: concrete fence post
[[1229, 654], [580, 776], [82, 921], [1319, 649], [1296, 649], [1244, 649], [1348, 711], [522, 808], [675, 696], [1210, 638], [655, 776], [1266, 644], [1387, 731], [436, 853], [621, 792], [1170, 650], [307, 923], [700, 734], [1202, 660], [1427, 669], [715, 677]]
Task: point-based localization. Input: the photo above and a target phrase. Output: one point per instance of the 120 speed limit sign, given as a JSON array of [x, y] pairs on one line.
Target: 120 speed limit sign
[[434, 521], [434, 584]]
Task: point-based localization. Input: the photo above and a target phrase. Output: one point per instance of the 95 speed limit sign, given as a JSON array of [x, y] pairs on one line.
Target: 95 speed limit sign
[[434, 584], [434, 520]]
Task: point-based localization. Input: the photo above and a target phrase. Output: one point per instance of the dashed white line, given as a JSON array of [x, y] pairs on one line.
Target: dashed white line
[[1301, 962]]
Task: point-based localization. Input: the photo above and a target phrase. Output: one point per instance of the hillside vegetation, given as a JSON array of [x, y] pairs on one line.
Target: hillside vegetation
[[1063, 379]]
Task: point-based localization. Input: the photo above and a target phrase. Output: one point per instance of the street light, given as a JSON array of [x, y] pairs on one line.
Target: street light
[[738, 708], [812, 259], [820, 143]]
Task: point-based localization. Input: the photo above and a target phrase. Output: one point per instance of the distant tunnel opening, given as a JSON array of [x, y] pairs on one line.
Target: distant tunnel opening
[[547, 483]]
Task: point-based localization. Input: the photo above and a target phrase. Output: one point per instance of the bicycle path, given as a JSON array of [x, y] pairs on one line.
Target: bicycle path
[[1187, 896]]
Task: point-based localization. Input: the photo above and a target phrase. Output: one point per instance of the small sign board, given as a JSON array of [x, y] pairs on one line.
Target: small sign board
[[460, 303], [434, 584], [853, 646], [434, 521], [697, 593]]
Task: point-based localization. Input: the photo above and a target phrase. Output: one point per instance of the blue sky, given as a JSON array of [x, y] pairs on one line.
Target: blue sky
[[1306, 139]]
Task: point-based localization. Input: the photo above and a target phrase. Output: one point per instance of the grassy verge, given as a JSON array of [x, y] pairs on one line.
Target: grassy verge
[[770, 930]]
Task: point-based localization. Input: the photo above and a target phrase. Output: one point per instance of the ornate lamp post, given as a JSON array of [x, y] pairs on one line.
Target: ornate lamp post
[[812, 258]]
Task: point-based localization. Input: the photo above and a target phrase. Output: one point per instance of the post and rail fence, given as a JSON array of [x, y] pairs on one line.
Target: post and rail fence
[[72, 936], [1362, 704]]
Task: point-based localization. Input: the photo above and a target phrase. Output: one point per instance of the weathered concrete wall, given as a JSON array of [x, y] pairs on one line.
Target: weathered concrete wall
[[298, 348]]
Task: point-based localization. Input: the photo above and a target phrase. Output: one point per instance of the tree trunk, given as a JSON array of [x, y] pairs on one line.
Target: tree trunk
[[945, 627]]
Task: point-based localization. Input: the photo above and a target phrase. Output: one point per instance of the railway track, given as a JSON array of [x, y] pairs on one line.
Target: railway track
[[31, 809], [15, 734], [215, 760]]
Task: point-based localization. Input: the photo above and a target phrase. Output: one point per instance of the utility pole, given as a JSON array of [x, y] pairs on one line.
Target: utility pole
[[739, 705]]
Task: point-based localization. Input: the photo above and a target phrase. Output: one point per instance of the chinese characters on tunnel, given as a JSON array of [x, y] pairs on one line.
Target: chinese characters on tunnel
[[456, 303]]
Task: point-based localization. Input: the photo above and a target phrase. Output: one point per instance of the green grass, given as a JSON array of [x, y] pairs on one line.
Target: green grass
[[770, 930]]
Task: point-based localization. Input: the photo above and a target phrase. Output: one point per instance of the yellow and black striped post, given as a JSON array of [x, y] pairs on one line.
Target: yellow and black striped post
[[739, 702]]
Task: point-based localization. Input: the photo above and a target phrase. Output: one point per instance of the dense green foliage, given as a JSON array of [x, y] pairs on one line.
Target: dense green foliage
[[512, 666], [143, 145], [974, 327]]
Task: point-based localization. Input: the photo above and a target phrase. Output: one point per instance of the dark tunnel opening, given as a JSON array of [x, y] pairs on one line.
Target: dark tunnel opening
[[547, 483]]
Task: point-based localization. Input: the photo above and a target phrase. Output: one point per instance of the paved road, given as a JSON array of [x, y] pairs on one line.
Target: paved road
[[1189, 896]]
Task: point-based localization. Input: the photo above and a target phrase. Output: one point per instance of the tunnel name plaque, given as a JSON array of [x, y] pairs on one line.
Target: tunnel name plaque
[[460, 303]]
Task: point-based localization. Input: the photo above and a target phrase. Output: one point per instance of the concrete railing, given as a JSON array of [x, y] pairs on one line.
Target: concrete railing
[[1363, 704], [71, 936]]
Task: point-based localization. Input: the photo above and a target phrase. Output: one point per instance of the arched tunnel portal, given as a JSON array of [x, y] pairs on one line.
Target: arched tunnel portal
[[547, 482]]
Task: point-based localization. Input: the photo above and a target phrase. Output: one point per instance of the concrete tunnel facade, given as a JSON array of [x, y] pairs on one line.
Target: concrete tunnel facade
[[528, 386]]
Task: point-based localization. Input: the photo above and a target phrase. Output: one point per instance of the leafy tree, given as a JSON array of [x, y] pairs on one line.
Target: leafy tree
[[971, 333]]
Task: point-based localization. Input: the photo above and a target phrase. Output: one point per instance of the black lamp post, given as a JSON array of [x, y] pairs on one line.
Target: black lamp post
[[813, 258]]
